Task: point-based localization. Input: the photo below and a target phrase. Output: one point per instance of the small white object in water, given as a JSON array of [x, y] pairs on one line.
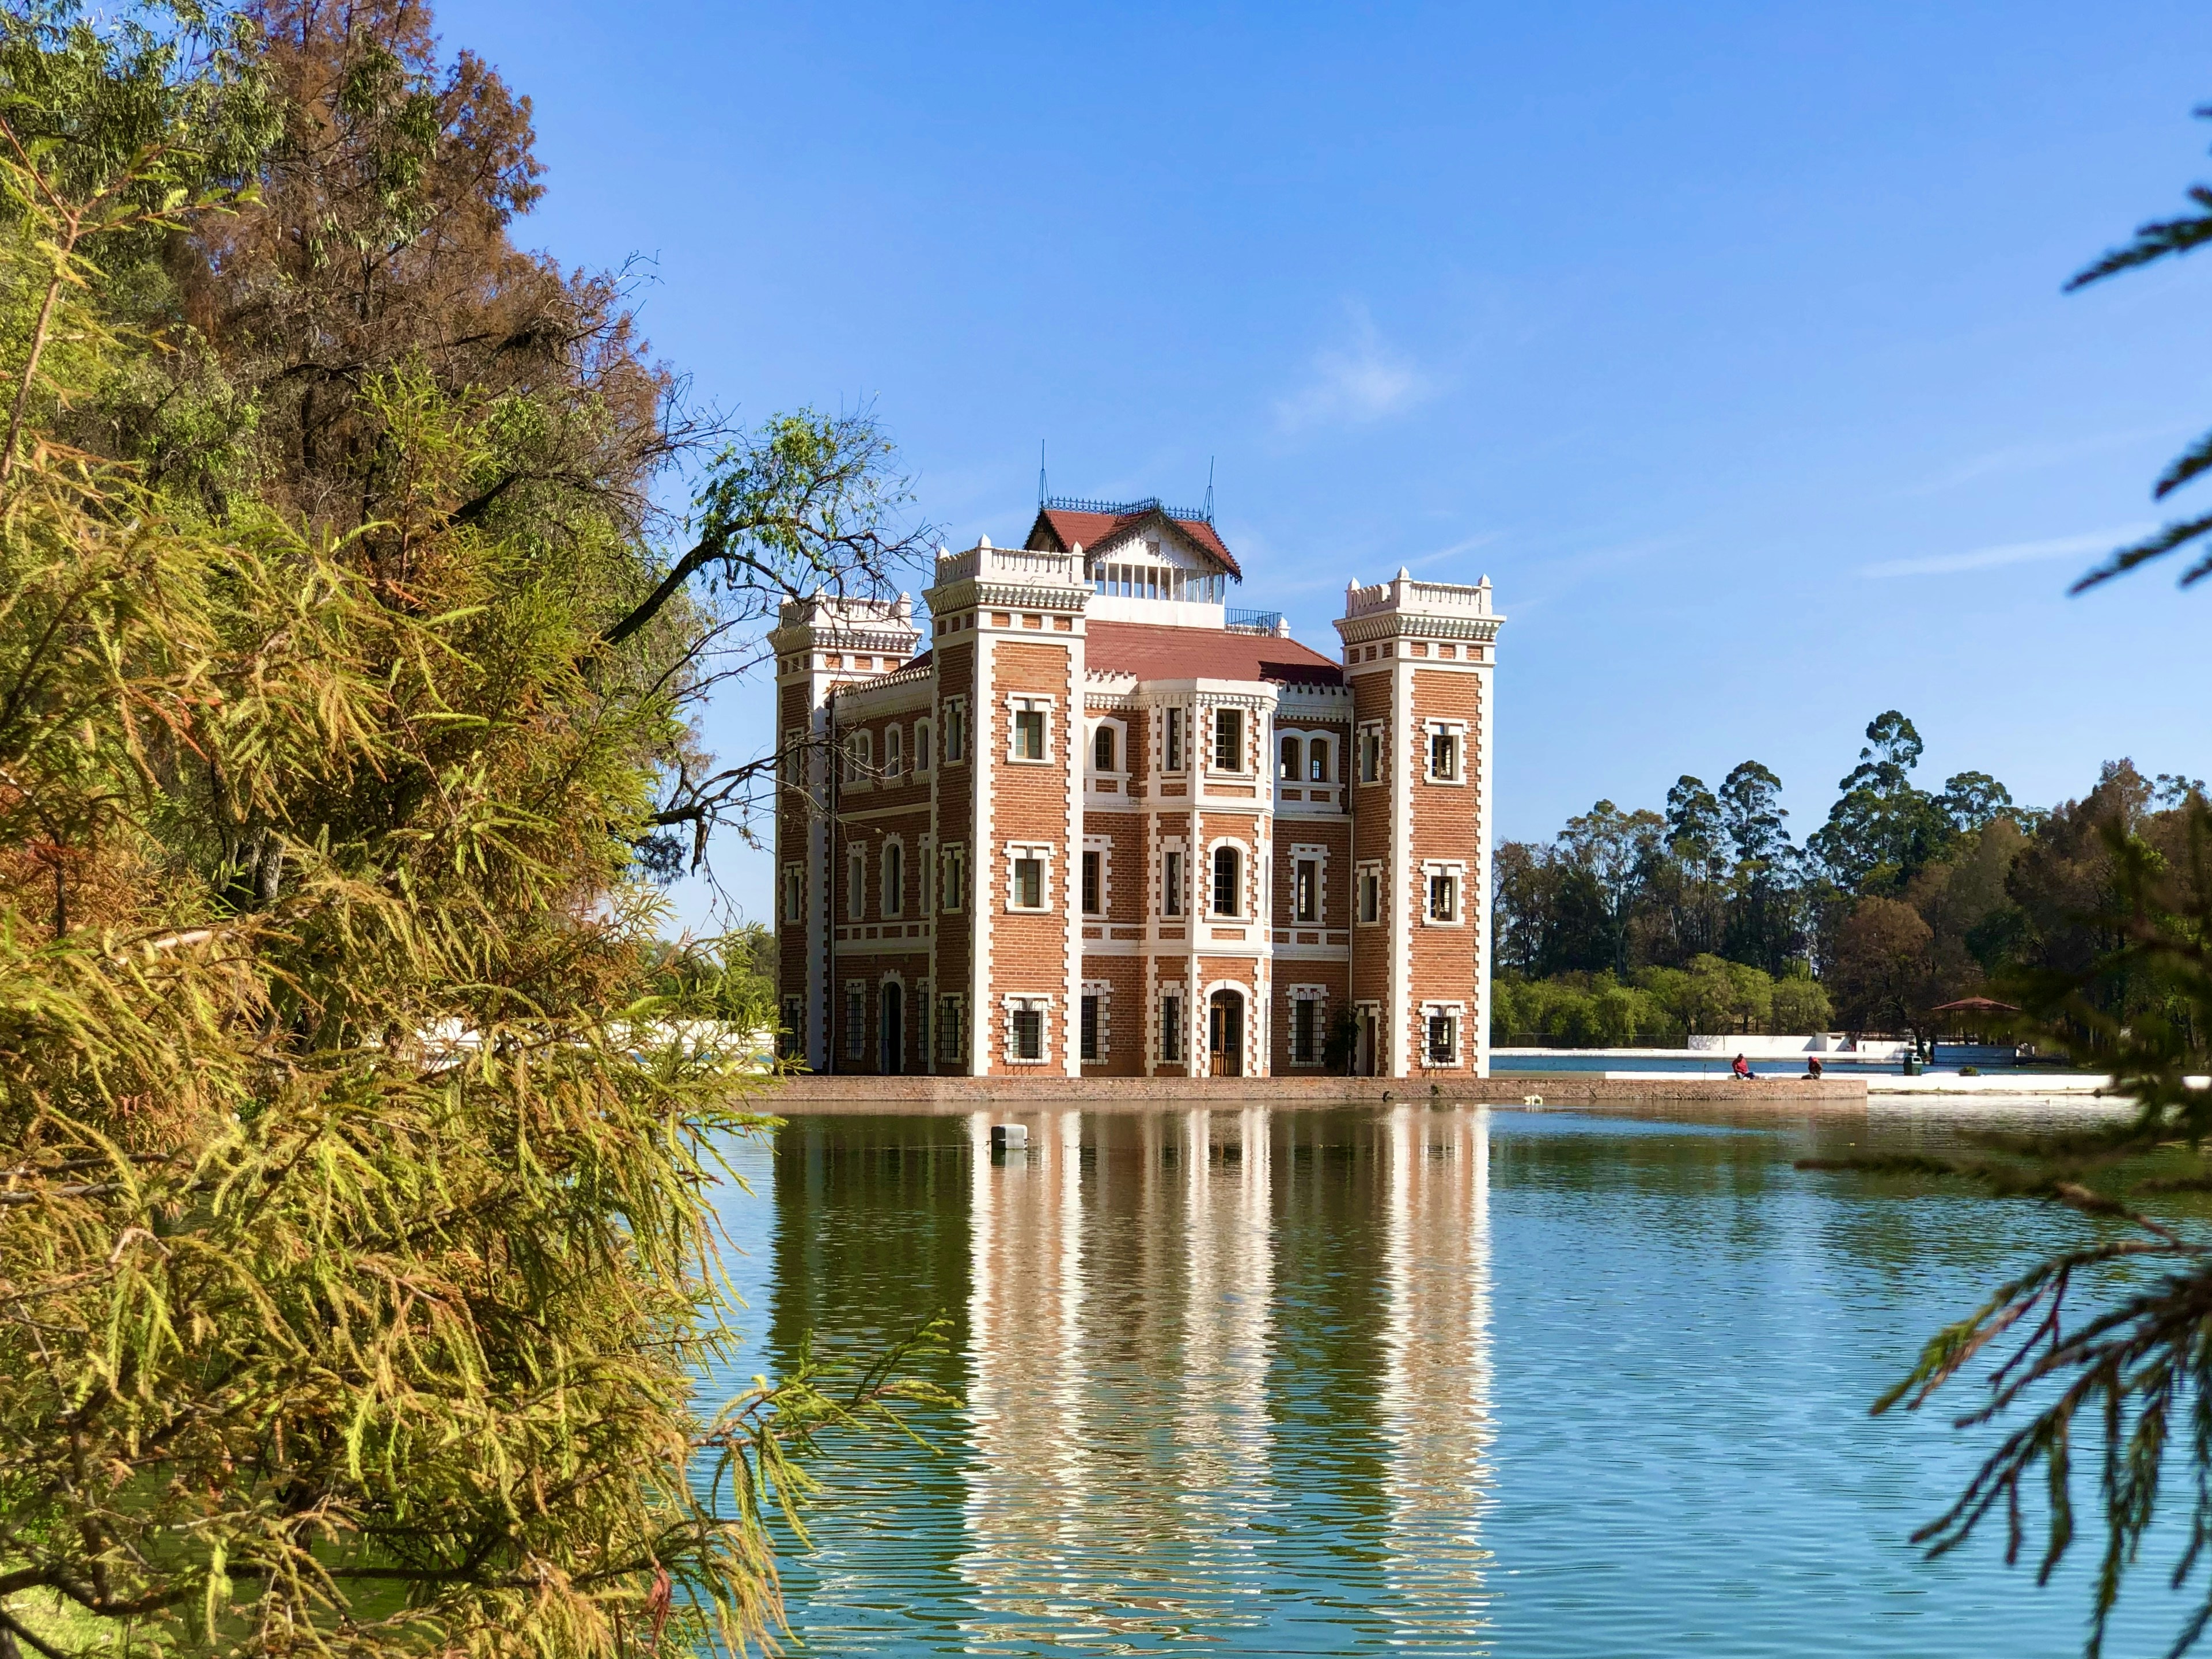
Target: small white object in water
[[1534, 1101], [1010, 1136]]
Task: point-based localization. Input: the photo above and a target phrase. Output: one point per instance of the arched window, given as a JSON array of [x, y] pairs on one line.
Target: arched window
[[1317, 758], [1226, 866], [1290, 771], [1102, 750], [925, 751], [894, 751]]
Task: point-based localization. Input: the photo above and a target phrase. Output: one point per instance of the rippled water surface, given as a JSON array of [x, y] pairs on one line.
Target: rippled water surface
[[1451, 1379]]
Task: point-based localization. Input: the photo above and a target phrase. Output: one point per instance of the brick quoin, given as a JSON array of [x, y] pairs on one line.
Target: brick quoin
[[1129, 632]]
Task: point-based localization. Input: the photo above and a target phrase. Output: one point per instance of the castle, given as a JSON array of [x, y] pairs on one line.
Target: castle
[[1105, 826]]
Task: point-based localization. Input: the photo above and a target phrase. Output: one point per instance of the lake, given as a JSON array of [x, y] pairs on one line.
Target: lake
[[1456, 1380]]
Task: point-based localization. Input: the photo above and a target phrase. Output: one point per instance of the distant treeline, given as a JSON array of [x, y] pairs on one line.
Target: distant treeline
[[1708, 917]]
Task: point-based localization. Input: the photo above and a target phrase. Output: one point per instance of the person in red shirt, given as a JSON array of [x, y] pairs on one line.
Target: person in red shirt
[[1742, 1069]]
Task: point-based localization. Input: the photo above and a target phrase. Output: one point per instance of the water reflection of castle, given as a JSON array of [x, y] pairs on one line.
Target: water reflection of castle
[[1130, 1368]]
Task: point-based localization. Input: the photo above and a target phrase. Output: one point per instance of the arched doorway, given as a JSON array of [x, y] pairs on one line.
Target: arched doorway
[[892, 1029], [1224, 1034]]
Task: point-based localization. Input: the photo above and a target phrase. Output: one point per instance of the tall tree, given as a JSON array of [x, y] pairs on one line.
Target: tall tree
[[1617, 849], [358, 1247], [1761, 922], [1882, 829]]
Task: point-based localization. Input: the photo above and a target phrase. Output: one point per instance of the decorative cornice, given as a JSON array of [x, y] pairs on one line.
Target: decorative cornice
[[1397, 624]]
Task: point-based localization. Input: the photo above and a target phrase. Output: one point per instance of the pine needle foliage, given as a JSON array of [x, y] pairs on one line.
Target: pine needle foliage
[[357, 1257]]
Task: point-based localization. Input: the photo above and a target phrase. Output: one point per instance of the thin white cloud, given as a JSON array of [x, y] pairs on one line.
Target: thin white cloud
[[1989, 558], [1356, 384]]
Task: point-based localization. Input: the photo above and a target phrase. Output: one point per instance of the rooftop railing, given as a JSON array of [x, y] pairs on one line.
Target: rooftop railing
[[1403, 593], [984, 562]]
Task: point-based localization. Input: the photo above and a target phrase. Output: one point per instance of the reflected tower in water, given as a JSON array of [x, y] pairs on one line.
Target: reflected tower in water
[[1436, 1396]]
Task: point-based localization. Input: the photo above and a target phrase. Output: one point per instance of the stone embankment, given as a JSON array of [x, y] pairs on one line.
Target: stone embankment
[[945, 1095]]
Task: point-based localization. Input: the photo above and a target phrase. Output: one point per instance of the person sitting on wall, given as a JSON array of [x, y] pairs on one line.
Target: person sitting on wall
[[1812, 1069], [1741, 1069]]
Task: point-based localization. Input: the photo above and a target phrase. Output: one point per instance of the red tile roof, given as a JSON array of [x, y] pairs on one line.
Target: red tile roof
[[1065, 528], [1153, 652]]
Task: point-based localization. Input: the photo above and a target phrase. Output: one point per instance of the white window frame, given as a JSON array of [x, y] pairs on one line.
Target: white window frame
[[794, 892], [1325, 744], [1016, 853], [1120, 728], [955, 731], [1174, 878], [952, 1027], [925, 869], [856, 882], [1457, 730], [924, 746], [1245, 723], [1041, 1005], [856, 1030], [1103, 847], [1297, 774], [894, 751], [1431, 869], [1243, 879], [1375, 733], [1302, 853], [1102, 992], [1318, 995], [1174, 997], [1456, 1012], [1019, 703], [1369, 870], [1175, 739], [952, 886], [891, 896]]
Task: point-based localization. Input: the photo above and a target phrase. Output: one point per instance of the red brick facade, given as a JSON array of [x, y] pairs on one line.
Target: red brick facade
[[1095, 831]]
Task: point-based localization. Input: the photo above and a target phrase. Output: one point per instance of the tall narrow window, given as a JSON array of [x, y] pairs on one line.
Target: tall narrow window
[[1443, 1037], [1229, 740], [794, 889], [1029, 734], [1094, 897], [1317, 760], [1102, 750], [1171, 885], [956, 877], [1444, 757], [1028, 883], [790, 1040], [1028, 1032], [1370, 896], [1305, 895], [1305, 1022], [894, 751], [1089, 1028], [1291, 748], [924, 746], [856, 885], [925, 870], [1370, 756], [1171, 1029], [894, 879], [955, 731], [1226, 866], [856, 1021], [1175, 740], [1443, 895]]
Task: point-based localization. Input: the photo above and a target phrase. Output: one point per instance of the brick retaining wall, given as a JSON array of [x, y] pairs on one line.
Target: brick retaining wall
[[940, 1095]]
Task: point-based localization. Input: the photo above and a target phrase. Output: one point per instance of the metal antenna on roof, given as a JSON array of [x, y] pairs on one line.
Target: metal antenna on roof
[[1209, 489], [1044, 494]]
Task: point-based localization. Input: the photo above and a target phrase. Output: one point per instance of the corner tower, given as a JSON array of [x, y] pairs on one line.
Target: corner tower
[[1420, 658]]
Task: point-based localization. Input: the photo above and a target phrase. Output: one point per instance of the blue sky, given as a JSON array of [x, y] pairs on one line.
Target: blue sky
[[1727, 339]]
